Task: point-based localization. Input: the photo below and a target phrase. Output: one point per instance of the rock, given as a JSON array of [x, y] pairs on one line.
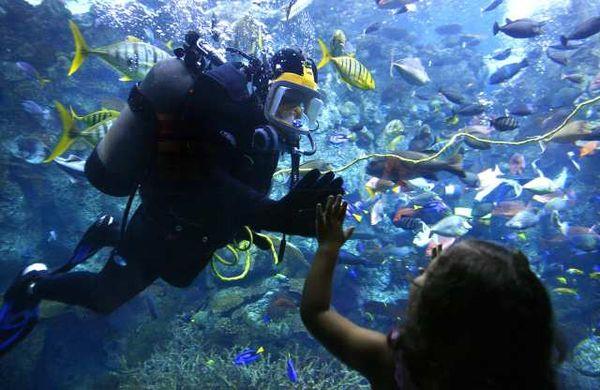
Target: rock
[[586, 356], [200, 318], [350, 114], [227, 299]]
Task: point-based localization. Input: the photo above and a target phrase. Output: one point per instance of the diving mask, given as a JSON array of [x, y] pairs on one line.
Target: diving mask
[[293, 103]]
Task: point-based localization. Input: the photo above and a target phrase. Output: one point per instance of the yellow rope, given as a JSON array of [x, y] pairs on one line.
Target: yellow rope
[[234, 252], [250, 241], [241, 276], [276, 258], [543, 137], [248, 259]]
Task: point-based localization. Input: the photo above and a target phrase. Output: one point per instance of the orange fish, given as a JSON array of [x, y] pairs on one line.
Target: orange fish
[[589, 148], [404, 212], [508, 208]]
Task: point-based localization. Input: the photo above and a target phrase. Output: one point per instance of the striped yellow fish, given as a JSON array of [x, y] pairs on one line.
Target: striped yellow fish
[[349, 69], [97, 125], [132, 58], [95, 117]]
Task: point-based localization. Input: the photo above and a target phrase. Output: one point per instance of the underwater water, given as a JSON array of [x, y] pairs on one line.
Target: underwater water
[[498, 136]]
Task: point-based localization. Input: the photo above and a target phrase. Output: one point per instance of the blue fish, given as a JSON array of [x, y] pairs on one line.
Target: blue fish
[[493, 5], [291, 370], [502, 54], [32, 72], [507, 72], [504, 191], [35, 109], [352, 272], [248, 356], [433, 211]]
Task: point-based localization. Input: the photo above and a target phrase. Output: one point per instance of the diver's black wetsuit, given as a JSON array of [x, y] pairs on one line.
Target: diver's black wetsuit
[[192, 203]]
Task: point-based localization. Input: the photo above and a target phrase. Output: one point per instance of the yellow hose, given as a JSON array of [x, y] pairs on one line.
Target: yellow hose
[[248, 260]]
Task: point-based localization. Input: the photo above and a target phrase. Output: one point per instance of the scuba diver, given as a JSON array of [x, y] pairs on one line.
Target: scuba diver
[[200, 140]]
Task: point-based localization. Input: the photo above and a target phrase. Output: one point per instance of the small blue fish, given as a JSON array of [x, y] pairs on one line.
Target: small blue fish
[[32, 72], [52, 236], [248, 356], [352, 272], [266, 319], [35, 109], [291, 370]]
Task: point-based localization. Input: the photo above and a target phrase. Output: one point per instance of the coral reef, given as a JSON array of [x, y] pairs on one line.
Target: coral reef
[[190, 361]]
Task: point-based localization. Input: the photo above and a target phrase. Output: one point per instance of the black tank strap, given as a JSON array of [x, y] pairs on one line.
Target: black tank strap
[[140, 104]]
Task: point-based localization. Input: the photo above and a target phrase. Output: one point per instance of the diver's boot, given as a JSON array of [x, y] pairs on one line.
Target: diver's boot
[[20, 310], [104, 232]]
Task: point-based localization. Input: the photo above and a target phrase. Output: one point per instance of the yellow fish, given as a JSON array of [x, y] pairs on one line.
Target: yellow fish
[[595, 275], [350, 69], [452, 120], [97, 125], [575, 271], [565, 291], [95, 117], [561, 279], [132, 58]]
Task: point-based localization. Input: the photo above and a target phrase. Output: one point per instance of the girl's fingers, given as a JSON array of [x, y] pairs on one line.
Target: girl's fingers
[[342, 213], [336, 205], [320, 217], [328, 206], [348, 234]]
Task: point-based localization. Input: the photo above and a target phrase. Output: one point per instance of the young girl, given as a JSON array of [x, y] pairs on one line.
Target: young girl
[[478, 318]]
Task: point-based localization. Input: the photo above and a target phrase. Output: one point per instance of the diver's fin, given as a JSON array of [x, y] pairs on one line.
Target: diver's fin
[[104, 232], [81, 48], [325, 53], [69, 133], [20, 311]]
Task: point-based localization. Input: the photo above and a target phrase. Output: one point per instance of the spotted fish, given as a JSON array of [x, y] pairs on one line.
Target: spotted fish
[[349, 69], [132, 58], [96, 124]]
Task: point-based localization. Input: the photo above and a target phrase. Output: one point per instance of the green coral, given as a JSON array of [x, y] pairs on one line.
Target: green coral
[[188, 361], [586, 356]]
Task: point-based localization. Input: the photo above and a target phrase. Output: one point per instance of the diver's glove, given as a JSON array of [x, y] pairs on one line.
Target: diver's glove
[[295, 212], [312, 189]]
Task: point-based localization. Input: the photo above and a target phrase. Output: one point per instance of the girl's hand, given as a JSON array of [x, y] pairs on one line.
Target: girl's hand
[[330, 229]]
